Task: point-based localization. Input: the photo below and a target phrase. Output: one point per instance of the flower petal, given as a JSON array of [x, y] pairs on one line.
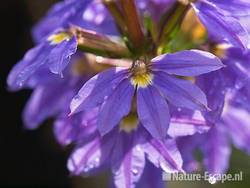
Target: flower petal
[[151, 177], [128, 161], [94, 91], [216, 150], [115, 107], [164, 154], [43, 104], [187, 63], [76, 128], [221, 27], [180, 92], [153, 111], [237, 124], [184, 124], [214, 86], [88, 157]]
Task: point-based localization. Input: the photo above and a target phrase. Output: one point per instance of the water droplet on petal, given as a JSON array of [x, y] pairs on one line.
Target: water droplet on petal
[[86, 169], [134, 171], [138, 148], [97, 160]]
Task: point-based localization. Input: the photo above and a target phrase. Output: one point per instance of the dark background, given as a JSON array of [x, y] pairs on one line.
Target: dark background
[[27, 158], [33, 158]]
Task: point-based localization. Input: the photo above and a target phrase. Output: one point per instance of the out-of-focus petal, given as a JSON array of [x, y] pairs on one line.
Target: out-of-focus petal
[[184, 124], [90, 156], [221, 27]]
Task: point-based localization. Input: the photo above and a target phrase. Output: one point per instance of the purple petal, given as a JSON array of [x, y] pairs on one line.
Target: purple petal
[[128, 161], [115, 107], [90, 156], [61, 55], [180, 92], [151, 177], [46, 56], [94, 91], [23, 70], [44, 102], [76, 128], [164, 154], [153, 111], [221, 27], [216, 150], [187, 63], [233, 7], [213, 84], [237, 124], [184, 125], [187, 146], [59, 16]]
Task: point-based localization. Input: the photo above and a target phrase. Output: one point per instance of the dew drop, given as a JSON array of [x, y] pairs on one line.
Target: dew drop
[[97, 160], [134, 171], [86, 169], [138, 148]]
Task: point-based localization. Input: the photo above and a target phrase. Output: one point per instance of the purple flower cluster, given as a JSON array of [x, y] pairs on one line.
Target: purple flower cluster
[[134, 82]]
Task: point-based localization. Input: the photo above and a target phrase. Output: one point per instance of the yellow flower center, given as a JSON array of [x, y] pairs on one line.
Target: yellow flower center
[[129, 123], [142, 80], [141, 76], [58, 38]]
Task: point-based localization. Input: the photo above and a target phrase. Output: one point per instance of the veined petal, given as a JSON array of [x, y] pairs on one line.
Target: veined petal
[[47, 57], [61, 55], [183, 124], [221, 27], [90, 156], [233, 7], [236, 122], [115, 107], [214, 86], [94, 91], [151, 177], [153, 111], [216, 150], [23, 70], [164, 154], [187, 63], [76, 128], [59, 16], [128, 161], [43, 104], [180, 92]]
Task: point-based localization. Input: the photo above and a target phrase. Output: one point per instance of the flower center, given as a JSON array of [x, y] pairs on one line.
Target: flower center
[[58, 38], [129, 123], [141, 76]]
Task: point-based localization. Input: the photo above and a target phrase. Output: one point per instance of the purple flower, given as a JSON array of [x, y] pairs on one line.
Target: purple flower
[[221, 20], [128, 147], [153, 82], [89, 14], [50, 99], [229, 117], [52, 55]]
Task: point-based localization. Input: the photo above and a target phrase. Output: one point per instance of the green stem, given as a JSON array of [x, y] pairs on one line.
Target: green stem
[[171, 21], [98, 44]]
